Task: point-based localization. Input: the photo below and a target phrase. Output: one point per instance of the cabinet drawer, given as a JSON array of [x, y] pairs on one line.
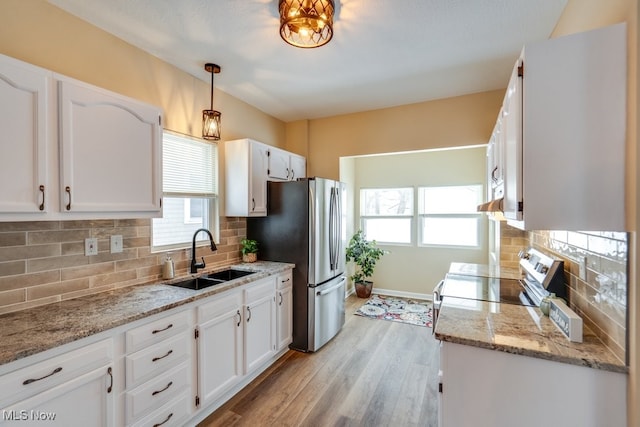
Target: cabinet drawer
[[153, 394], [259, 290], [285, 280], [219, 305], [44, 375], [169, 415], [147, 363], [156, 331]]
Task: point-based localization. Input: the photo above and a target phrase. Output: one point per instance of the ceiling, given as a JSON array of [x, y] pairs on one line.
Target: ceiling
[[383, 53]]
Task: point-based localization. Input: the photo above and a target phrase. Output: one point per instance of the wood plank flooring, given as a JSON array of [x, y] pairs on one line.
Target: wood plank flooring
[[373, 373]]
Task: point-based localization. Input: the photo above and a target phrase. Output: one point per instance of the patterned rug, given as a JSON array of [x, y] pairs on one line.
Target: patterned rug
[[396, 309]]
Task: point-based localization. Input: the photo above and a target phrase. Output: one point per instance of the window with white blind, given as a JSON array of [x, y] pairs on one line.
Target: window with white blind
[[190, 192], [447, 216]]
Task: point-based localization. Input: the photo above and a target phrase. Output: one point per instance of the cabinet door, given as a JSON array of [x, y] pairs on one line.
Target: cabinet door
[[258, 181], [278, 165], [297, 167], [259, 332], [219, 354], [60, 406], [24, 92], [110, 152], [284, 319], [512, 144]]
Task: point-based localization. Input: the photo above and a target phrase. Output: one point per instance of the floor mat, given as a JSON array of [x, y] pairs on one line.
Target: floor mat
[[396, 309]]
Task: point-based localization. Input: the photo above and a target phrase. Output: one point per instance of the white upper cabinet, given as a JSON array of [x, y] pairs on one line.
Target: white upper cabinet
[[70, 150], [249, 165], [110, 151], [564, 128], [285, 166], [24, 121]]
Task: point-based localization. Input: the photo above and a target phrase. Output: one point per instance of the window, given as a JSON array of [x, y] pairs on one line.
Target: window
[[448, 215], [190, 187], [386, 214]]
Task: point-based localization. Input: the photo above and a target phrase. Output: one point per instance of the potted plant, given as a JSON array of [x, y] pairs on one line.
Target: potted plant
[[364, 253], [249, 250]]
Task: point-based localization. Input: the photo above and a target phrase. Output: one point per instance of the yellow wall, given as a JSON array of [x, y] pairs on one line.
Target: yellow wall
[[451, 122]]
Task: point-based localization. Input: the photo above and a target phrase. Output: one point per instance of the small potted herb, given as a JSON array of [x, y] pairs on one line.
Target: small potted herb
[[249, 250]]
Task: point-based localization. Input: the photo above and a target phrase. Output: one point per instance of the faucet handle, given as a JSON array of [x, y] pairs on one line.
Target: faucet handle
[[203, 265]]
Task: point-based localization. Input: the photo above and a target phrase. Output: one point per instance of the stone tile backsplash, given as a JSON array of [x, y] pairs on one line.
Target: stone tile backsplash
[[44, 262], [601, 297]]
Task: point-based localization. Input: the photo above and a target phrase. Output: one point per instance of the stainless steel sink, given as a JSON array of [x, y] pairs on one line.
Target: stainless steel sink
[[212, 279], [230, 274]]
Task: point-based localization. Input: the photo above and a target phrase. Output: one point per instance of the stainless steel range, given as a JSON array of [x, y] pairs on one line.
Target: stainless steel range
[[540, 275]]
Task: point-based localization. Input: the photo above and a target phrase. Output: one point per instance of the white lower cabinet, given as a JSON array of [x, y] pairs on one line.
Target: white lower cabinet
[[160, 371], [493, 388], [168, 370], [236, 336], [220, 343], [284, 310], [48, 392]]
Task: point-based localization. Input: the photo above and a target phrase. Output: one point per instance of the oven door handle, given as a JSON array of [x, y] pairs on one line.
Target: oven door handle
[[437, 298]]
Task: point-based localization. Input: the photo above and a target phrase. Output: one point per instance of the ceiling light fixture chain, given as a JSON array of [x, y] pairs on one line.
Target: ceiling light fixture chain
[[306, 23], [211, 119]]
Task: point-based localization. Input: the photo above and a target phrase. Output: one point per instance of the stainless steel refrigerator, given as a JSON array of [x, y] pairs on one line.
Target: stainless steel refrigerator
[[305, 226]]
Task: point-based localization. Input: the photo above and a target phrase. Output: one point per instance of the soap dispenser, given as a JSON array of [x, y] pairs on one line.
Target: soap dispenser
[[168, 271]]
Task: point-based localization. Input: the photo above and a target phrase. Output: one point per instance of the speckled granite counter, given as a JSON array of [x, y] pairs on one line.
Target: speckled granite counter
[[519, 330], [31, 331]]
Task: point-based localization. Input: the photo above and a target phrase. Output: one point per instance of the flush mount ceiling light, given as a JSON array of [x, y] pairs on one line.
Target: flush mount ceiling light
[[211, 117], [306, 23]]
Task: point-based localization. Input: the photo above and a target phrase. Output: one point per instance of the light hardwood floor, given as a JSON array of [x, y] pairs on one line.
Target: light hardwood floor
[[373, 373]]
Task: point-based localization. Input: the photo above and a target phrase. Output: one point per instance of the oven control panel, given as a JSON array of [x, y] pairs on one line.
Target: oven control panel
[[543, 275]]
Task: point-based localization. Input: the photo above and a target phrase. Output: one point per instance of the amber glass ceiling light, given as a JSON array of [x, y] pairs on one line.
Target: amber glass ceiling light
[[306, 23], [211, 117]]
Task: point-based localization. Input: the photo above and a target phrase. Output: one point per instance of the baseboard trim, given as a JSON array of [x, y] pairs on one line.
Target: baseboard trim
[[402, 294]]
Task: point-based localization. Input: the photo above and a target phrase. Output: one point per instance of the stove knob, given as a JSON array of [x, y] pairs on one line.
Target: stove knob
[[539, 267], [523, 254], [544, 269]]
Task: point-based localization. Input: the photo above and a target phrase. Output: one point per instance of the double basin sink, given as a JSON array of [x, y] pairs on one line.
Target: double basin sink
[[212, 279]]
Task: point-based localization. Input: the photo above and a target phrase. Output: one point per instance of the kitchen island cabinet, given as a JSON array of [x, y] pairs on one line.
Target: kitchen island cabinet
[[507, 365]]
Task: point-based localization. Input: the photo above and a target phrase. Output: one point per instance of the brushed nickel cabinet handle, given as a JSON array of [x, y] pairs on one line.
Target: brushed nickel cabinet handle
[[164, 389], [249, 317], [239, 318], [110, 373], [41, 207], [167, 419], [68, 190], [155, 331], [280, 293], [253, 204], [155, 359], [33, 380]]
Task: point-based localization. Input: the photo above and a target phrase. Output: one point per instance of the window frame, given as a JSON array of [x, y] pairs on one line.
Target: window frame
[[363, 218], [450, 215], [212, 199]]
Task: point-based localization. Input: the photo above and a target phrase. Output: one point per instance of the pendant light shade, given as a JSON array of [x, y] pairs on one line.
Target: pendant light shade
[[211, 117], [306, 23]]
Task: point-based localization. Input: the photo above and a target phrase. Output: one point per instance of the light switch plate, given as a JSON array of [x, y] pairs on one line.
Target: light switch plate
[[116, 244], [91, 246]]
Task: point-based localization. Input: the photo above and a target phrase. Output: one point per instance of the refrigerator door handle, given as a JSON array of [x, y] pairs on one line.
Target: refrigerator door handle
[[331, 289], [332, 249]]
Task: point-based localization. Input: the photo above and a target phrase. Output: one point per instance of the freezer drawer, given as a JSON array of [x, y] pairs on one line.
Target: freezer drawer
[[326, 317]]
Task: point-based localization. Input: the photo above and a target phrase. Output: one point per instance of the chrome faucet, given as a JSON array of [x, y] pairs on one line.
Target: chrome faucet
[[196, 265]]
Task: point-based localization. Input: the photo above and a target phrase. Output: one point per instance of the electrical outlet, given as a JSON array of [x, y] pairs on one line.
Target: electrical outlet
[[583, 268], [116, 244], [91, 246]]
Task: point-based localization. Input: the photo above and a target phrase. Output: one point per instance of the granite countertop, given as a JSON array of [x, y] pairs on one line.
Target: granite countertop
[[519, 330], [37, 329]]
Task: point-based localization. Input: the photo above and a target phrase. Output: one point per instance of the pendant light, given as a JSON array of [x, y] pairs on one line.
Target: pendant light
[[306, 23], [211, 117]]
